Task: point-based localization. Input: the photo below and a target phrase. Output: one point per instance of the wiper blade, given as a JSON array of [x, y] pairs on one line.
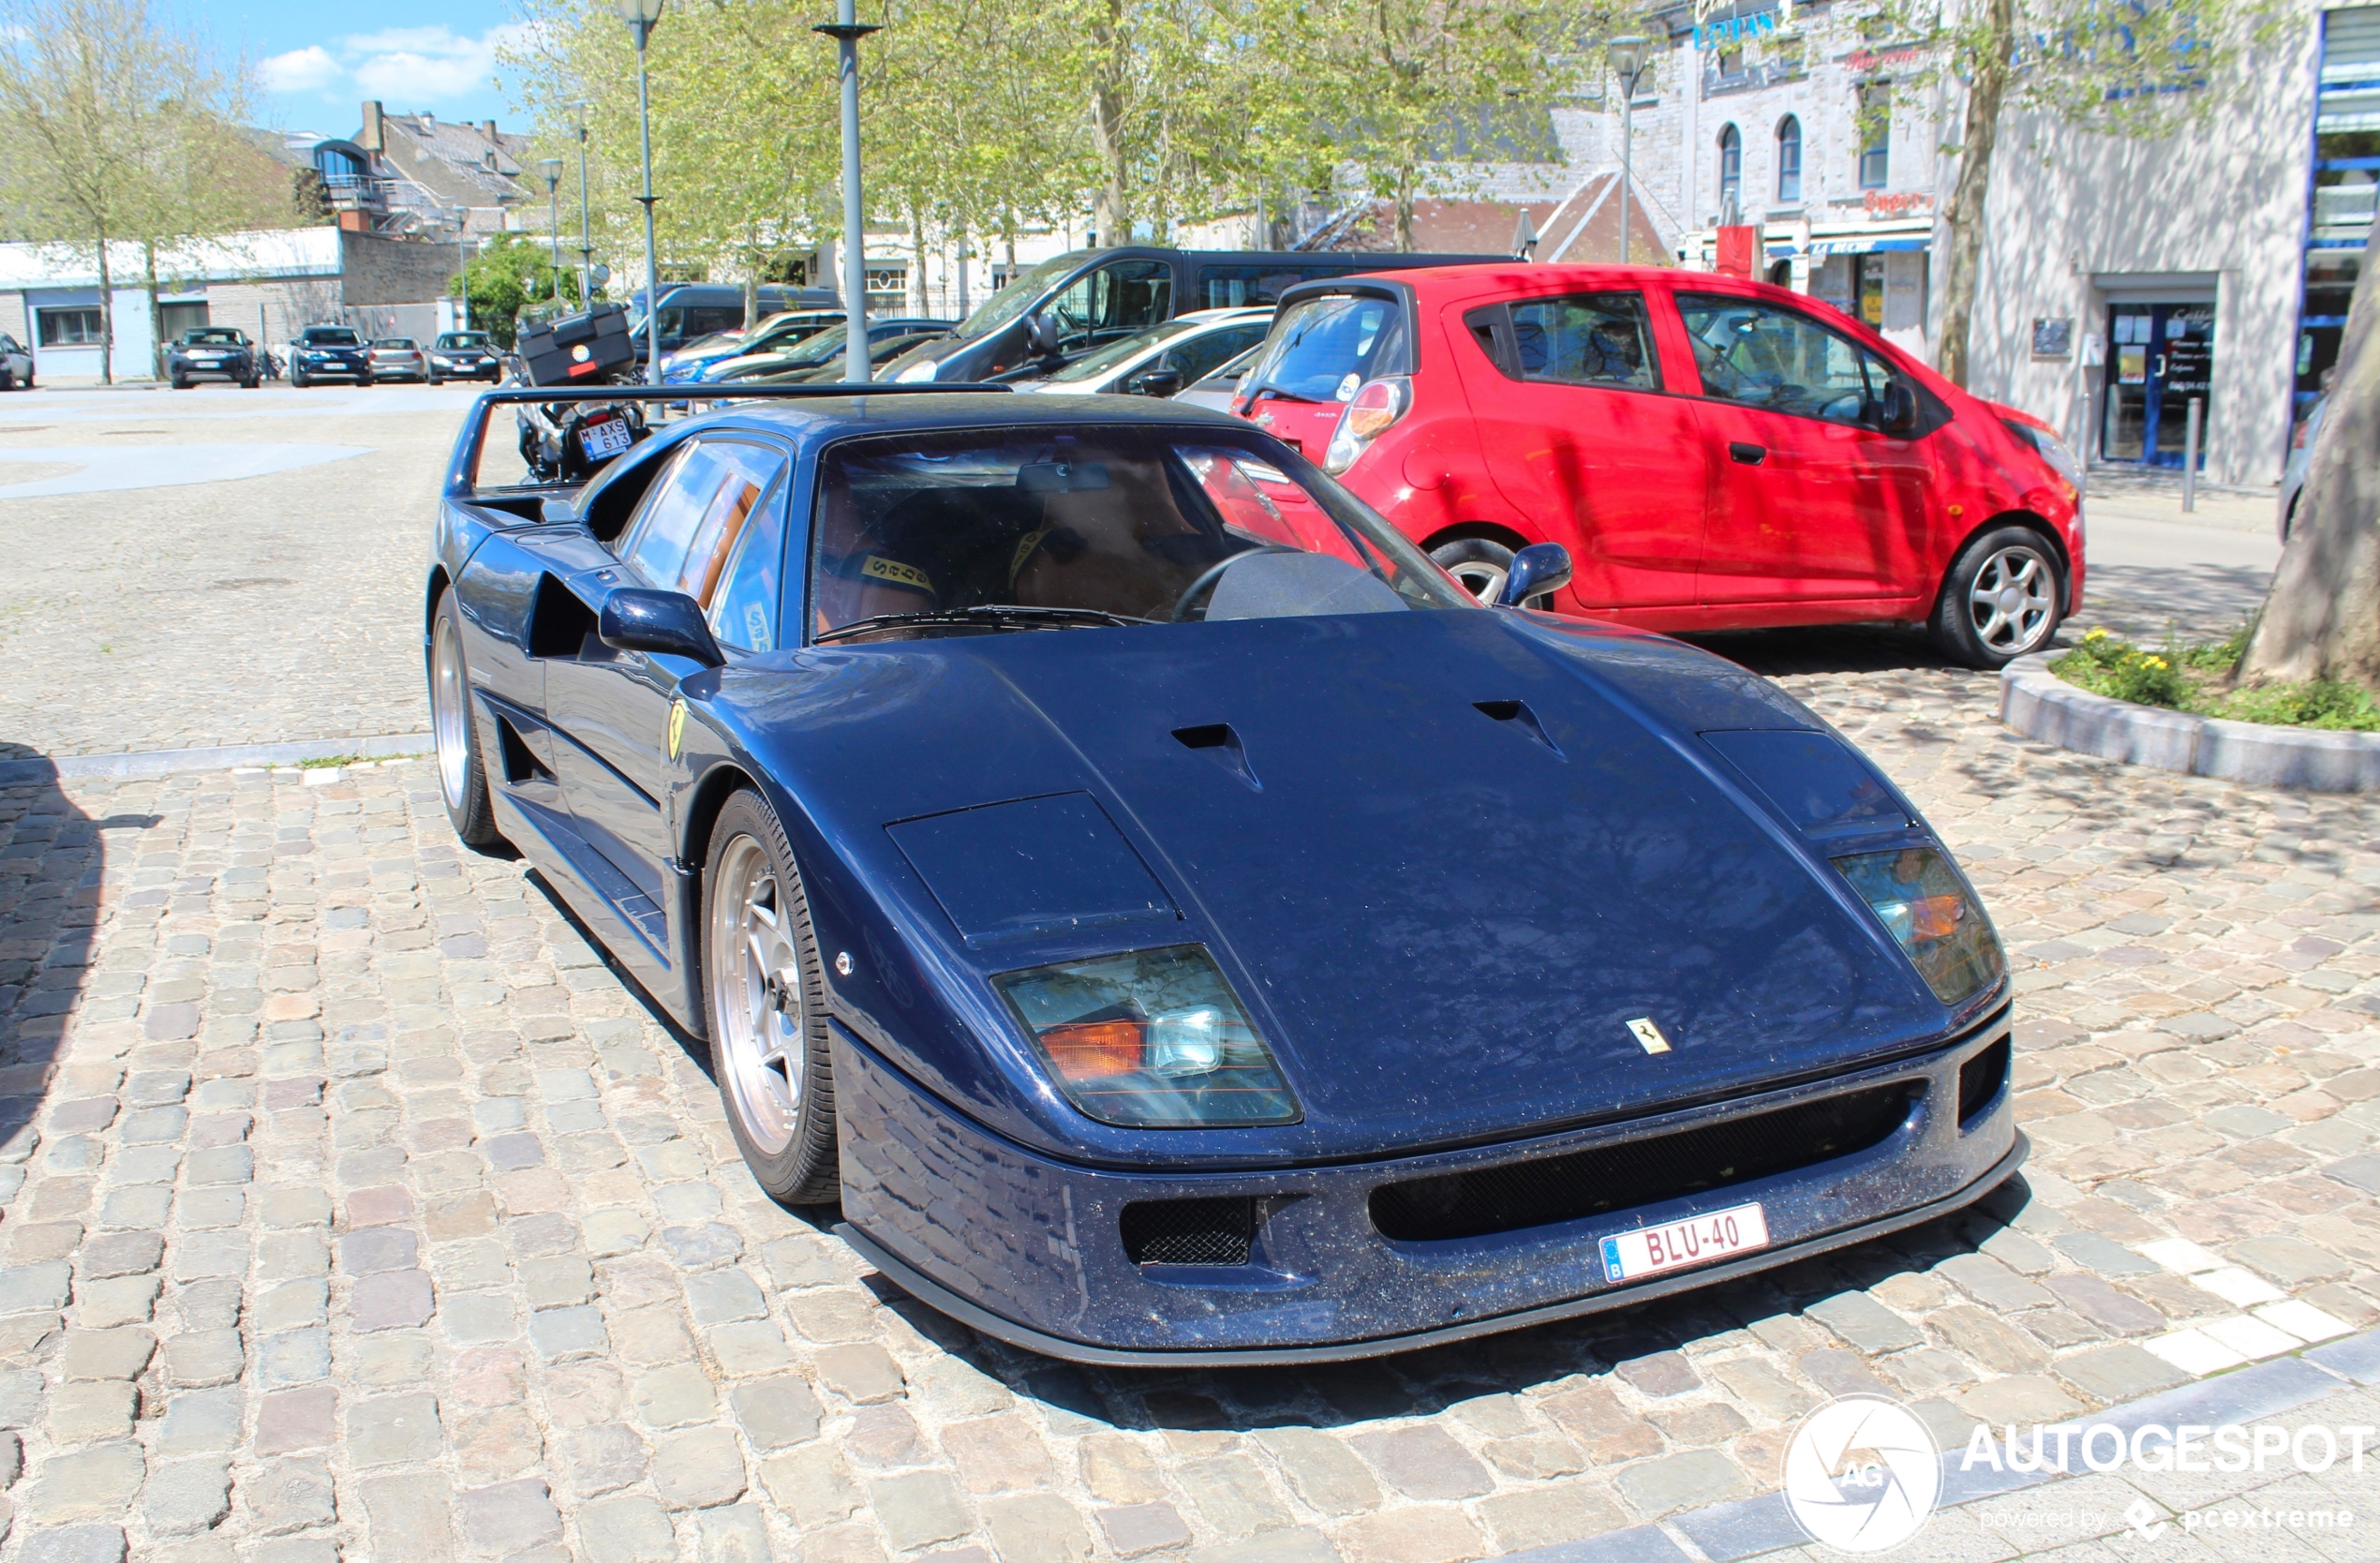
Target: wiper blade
[[995, 613]]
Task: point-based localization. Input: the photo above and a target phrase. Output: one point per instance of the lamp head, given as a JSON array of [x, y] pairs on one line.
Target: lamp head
[[551, 168], [639, 14], [1626, 54]]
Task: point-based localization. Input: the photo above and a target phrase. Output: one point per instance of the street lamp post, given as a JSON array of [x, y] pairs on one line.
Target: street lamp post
[[1630, 57], [585, 218], [641, 14], [847, 30], [551, 168], [463, 248]]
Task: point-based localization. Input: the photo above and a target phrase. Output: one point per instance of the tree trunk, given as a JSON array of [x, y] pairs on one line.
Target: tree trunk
[[107, 316], [1406, 180], [917, 248], [1965, 216], [751, 281], [1111, 208], [2322, 617], [156, 314]]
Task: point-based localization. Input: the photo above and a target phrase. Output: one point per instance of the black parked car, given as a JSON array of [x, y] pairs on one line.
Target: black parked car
[[328, 352], [213, 352], [820, 357], [464, 356]]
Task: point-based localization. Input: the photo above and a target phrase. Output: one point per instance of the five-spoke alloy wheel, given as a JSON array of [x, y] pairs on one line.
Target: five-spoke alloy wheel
[[767, 1007], [462, 780], [2002, 598]]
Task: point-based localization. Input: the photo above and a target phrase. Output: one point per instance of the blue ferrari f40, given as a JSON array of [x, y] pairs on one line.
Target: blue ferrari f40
[[1173, 920]]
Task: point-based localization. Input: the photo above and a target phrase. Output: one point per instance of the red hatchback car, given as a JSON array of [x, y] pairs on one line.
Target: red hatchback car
[[1714, 455]]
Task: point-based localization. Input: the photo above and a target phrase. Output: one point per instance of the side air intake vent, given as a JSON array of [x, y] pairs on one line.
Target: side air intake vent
[[1189, 1231], [1980, 1079]]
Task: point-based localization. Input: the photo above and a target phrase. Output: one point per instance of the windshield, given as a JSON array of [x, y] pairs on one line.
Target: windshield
[[329, 336], [1229, 375], [396, 344], [1323, 349], [219, 337], [1092, 365], [463, 339], [1023, 291], [987, 530]]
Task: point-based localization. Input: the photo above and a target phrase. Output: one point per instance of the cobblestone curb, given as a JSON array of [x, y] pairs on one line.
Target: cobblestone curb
[[175, 762], [2040, 704]]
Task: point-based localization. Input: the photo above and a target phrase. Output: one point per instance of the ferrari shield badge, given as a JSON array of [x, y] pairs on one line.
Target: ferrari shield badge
[[1647, 1035], [677, 731]]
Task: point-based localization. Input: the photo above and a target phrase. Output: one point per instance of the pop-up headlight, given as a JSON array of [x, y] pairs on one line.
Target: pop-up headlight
[[1150, 1039], [1926, 906]]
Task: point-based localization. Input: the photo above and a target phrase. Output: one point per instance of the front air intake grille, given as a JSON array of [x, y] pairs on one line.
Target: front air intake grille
[[1980, 1079], [1637, 1173], [1189, 1231]]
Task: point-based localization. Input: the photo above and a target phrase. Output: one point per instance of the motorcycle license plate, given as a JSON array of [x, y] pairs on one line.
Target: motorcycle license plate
[[601, 442], [1651, 1250]]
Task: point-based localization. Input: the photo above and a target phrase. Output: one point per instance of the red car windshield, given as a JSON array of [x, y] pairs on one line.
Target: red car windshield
[[986, 530], [1323, 348]]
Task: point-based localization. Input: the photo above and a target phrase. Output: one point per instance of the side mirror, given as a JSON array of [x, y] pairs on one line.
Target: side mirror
[[667, 623], [1158, 383], [1898, 413], [1041, 336], [1537, 569]]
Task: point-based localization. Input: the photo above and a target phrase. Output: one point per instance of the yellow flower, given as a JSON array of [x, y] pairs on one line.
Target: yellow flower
[[2157, 663], [2094, 634]]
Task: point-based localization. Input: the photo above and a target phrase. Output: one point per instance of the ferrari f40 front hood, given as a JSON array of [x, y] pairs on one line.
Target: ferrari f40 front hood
[[1468, 876]]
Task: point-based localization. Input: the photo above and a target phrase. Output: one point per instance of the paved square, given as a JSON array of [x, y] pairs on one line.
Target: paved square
[[351, 1205]]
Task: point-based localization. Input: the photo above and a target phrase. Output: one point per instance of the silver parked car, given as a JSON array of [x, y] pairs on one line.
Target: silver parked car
[[399, 358], [1221, 385], [2293, 476], [1162, 360], [16, 364]]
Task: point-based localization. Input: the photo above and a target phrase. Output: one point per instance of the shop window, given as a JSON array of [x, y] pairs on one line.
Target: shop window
[[1731, 172], [888, 286], [1867, 290], [1789, 159], [1875, 138], [69, 328]]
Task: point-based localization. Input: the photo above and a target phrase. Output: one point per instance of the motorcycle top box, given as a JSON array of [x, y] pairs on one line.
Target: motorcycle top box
[[576, 350]]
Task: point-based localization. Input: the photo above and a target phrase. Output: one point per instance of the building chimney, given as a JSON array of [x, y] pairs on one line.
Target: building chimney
[[370, 138], [488, 128]]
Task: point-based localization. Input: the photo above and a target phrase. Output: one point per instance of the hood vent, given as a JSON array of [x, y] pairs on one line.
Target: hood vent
[[1517, 715], [1219, 743]]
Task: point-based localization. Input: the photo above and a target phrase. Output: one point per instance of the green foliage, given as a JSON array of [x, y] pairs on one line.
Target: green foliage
[[514, 271], [2194, 679]]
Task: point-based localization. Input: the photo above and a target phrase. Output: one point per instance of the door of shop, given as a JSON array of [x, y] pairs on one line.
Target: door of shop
[[2159, 357]]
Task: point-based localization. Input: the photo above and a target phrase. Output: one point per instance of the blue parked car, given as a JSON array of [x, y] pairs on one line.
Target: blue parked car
[[775, 334], [1176, 922]]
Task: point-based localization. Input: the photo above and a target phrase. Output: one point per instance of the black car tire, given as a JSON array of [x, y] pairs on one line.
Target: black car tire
[[775, 1072], [365, 382], [1480, 566], [178, 381], [2001, 599], [462, 776], [8, 379], [297, 379]]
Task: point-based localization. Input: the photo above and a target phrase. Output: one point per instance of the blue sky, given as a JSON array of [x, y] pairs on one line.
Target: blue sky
[[318, 62]]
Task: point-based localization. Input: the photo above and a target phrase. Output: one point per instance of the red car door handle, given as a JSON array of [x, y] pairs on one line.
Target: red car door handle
[[1750, 456]]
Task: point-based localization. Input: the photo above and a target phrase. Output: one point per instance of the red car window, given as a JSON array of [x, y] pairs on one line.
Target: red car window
[[1581, 339], [1781, 360]]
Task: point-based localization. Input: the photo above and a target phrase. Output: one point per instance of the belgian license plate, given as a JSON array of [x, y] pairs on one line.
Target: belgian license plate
[[606, 439], [1650, 1250]]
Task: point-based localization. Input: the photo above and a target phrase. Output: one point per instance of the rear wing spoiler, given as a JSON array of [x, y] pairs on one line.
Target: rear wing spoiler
[[462, 473]]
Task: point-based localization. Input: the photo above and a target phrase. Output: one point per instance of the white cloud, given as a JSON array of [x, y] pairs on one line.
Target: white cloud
[[308, 70], [407, 68]]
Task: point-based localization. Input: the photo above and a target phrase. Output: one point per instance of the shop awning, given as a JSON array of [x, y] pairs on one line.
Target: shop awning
[[1821, 248]]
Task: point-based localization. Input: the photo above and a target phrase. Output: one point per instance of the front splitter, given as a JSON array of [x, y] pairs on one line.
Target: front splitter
[[975, 1317]]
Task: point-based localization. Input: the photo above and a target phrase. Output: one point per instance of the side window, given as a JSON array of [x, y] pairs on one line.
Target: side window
[[1196, 360], [703, 319], [743, 475], [1584, 339], [664, 530], [743, 609], [1764, 356], [1113, 302]]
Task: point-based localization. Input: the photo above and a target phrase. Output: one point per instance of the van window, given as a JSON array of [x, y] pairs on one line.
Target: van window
[[1323, 348], [1117, 300], [1021, 293], [1225, 286]]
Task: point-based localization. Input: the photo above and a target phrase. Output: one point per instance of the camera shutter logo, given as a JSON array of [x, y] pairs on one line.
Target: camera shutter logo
[[1862, 1474]]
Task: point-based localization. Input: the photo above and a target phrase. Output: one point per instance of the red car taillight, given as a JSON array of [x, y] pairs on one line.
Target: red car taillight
[[1376, 406]]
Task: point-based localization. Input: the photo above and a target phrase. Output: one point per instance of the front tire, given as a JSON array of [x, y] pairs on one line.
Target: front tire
[[297, 381], [765, 995], [2001, 599], [461, 778]]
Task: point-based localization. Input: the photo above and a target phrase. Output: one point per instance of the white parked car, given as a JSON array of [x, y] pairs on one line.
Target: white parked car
[[1163, 360], [1221, 386]]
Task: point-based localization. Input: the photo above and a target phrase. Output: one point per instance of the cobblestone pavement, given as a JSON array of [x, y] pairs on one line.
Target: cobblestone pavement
[[351, 1205], [275, 607]]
